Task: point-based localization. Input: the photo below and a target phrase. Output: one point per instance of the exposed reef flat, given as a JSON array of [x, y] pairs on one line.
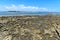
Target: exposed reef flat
[[30, 27]]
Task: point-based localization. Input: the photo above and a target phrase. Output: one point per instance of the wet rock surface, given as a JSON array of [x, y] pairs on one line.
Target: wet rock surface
[[30, 27]]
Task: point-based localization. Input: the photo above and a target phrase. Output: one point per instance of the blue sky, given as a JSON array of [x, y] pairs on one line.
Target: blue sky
[[30, 5]]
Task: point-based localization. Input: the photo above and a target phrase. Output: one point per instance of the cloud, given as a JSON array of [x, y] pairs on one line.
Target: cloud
[[22, 8]]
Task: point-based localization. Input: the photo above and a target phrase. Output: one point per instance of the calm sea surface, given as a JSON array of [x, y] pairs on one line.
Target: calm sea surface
[[22, 13]]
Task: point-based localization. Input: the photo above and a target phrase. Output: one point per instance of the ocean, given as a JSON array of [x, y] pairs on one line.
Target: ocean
[[6, 13]]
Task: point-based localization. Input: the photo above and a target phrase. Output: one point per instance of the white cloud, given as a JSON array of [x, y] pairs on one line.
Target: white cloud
[[22, 8]]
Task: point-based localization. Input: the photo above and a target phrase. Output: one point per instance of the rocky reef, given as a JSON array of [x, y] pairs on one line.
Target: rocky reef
[[30, 27]]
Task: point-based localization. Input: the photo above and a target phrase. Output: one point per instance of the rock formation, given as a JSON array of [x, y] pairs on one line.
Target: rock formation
[[30, 27]]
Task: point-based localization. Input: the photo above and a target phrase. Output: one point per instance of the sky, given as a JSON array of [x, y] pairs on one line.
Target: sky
[[30, 5]]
